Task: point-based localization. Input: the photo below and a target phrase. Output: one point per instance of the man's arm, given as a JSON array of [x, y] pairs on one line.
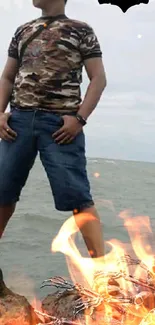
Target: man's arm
[[6, 82], [71, 127], [92, 58], [96, 74], [6, 85]]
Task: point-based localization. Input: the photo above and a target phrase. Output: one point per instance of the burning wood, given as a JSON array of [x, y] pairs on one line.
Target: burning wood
[[109, 302]]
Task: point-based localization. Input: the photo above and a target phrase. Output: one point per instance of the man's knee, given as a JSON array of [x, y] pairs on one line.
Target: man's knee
[[7, 210]]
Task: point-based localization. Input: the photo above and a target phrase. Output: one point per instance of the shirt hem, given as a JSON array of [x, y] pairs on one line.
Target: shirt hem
[[93, 55], [45, 109], [12, 56]]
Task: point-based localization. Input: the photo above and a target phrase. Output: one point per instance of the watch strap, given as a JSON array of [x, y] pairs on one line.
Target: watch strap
[[81, 119]]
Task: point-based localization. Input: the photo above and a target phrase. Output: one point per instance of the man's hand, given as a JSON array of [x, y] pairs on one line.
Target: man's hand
[[6, 133], [68, 131]]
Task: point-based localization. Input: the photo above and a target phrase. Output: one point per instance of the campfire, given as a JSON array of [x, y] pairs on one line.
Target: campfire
[[115, 290]]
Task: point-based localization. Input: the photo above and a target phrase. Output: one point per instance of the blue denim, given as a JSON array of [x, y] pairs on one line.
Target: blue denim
[[65, 164]]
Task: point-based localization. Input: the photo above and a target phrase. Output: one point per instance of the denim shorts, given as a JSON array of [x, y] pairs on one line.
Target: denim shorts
[[65, 165]]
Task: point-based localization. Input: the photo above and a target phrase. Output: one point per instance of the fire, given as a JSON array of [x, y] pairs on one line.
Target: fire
[[137, 228], [36, 304], [78, 266], [121, 288]]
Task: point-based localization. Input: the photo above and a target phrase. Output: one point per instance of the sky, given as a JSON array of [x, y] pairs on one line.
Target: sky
[[123, 124]]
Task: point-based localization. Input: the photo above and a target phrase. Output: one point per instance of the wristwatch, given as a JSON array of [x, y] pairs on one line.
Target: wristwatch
[[81, 119]]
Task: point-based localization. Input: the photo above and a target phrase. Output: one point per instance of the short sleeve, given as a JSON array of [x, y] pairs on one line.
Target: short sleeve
[[90, 47], [13, 47]]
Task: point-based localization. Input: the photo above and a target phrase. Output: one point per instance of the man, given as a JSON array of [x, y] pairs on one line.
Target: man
[[41, 80]]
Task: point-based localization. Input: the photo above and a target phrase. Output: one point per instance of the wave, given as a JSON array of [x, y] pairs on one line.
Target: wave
[[111, 162]]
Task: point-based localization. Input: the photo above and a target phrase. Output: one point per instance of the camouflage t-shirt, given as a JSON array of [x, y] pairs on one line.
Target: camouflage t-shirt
[[50, 73]]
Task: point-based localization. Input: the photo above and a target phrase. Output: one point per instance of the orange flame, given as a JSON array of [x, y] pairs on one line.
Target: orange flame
[[82, 269], [137, 228], [77, 265]]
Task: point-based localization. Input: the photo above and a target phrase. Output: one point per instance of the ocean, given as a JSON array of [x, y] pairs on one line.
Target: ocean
[[26, 258]]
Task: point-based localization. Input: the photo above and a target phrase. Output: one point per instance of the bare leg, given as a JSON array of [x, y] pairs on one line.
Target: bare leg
[[5, 214], [88, 222]]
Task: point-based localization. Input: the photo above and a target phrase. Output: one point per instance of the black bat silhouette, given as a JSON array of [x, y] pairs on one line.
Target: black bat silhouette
[[124, 5]]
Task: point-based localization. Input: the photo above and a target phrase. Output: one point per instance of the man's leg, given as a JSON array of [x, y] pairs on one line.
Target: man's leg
[[88, 222], [6, 213], [16, 160], [65, 166]]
